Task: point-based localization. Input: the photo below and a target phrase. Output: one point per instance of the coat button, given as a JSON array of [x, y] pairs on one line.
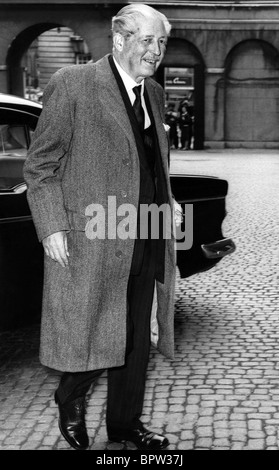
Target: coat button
[[119, 254], [126, 161]]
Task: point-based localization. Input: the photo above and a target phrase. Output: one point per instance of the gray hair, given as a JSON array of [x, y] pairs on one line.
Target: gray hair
[[124, 22]]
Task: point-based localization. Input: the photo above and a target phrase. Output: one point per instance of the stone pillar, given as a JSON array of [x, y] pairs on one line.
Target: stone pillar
[[214, 108], [3, 79]]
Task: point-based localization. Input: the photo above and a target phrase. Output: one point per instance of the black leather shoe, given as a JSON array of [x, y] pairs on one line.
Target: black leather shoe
[[72, 422], [141, 437]]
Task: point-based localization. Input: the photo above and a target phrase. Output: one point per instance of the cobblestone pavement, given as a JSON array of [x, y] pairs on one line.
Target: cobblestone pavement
[[222, 390]]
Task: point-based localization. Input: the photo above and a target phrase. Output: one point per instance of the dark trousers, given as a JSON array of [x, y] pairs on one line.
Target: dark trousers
[[184, 137], [126, 384], [174, 136]]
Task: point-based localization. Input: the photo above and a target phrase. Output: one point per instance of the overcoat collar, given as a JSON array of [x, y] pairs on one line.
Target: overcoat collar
[[110, 96]]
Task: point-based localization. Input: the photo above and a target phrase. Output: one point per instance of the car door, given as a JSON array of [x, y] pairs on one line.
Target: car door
[[21, 256]]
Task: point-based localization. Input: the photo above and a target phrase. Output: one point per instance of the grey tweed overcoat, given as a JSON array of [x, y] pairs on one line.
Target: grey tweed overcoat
[[82, 152]]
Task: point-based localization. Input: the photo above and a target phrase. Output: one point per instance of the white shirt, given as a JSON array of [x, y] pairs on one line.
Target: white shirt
[[129, 84]]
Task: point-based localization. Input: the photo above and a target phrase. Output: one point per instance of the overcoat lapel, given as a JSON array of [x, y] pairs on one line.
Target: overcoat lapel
[[129, 109], [159, 120], [111, 99]]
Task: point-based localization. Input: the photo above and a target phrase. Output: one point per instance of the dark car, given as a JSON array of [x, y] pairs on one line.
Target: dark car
[[21, 254]]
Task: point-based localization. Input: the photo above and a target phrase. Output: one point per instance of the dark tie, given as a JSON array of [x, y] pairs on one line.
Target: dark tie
[[138, 107]]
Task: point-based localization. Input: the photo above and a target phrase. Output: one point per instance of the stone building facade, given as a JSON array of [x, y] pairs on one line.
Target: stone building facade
[[223, 56]]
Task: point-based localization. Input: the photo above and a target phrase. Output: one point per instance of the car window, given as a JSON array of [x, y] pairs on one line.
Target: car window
[[13, 141], [13, 149], [16, 126]]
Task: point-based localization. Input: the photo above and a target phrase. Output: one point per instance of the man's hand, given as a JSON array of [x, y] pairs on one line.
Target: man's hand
[[56, 247], [178, 213]]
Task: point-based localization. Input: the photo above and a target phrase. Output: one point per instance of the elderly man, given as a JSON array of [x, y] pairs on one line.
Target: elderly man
[[100, 138]]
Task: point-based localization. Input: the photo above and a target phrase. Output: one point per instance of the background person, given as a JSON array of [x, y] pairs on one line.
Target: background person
[[185, 124], [172, 121]]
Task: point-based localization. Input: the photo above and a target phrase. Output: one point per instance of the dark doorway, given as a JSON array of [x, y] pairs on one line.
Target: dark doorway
[[184, 86], [252, 96], [184, 58]]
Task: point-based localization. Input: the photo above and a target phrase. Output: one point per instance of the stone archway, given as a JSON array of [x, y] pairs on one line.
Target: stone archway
[[44, 46], [182, 53], [252, 96], [17, 48]]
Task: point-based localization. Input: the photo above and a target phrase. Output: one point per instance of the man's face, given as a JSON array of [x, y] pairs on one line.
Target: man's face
[[142, 53]]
